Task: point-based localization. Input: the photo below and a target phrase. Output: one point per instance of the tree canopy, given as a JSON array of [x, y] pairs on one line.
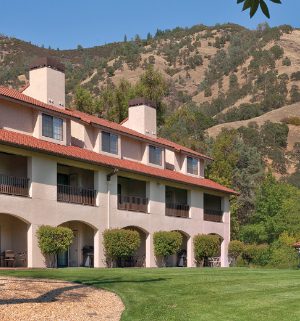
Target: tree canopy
[[253, 6]]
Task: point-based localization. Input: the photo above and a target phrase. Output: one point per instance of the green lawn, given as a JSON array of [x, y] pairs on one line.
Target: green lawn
[[193, 294]]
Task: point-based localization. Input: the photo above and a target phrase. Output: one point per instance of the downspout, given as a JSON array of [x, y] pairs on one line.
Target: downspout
[[108, 180]]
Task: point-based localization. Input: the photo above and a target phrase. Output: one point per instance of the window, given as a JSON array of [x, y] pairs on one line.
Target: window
[[52, 127], [192, 165], [154, 155], [109, 143]]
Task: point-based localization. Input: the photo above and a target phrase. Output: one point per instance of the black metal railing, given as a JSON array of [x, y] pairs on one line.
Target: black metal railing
[[77, 195], [133, 203], [213, 215], [18, 186], [177, 210]]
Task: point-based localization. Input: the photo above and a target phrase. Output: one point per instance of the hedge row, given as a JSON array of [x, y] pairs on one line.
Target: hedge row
[[280, 254]]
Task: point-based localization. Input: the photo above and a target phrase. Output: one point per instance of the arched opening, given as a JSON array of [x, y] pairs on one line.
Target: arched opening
[[139, 257], [81, 251], [13, 241], [215, 261], [180, 258]]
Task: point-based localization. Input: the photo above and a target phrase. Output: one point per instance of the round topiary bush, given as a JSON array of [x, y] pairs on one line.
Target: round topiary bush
[[166, 244], [235, 249], [206, 246], [53, 240], [120, 244]]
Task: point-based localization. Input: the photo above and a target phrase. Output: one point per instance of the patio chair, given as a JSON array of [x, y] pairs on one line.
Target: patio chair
[[9, 257], [22, 257]]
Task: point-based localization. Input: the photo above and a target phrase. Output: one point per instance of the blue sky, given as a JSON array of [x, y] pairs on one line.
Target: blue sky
[[66, 23]]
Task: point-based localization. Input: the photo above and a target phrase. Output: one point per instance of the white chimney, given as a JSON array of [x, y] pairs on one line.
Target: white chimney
[[142, 116], [47, 82]]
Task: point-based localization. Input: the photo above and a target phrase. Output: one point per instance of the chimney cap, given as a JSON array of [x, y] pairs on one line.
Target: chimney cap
[[47, 62], [141, 101]]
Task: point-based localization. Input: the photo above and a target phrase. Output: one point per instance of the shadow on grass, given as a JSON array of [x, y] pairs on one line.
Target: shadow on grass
[[116, 280]]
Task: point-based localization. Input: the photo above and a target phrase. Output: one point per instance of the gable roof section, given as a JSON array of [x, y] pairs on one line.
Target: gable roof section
[[16, 95], [28, 142]]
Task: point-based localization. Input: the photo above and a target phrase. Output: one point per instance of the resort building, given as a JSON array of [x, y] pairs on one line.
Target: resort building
[[59, 166]]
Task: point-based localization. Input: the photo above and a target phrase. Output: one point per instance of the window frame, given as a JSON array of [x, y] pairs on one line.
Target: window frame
[[194, 170], [153, 160], [52, 127], [110, 136]]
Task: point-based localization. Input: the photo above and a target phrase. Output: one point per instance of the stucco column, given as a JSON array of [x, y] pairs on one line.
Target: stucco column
[[190, 253], [34, 255], [99, 258], [150, 258], [226, 224]]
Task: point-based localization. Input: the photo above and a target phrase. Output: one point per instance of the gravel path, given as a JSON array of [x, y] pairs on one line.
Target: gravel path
[[50, 300]]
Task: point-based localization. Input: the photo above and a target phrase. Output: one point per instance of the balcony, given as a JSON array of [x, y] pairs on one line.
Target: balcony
[[177, 210], [213, 208], [13, 175], [11, 185], [75, 185], [133, 203], [76, 195], [213, 215], [177, 202], [132, 195]]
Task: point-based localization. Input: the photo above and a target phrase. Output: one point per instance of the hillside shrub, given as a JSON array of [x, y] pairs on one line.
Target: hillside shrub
[[286, 61], [52, 241], [291, 121], [206, 246], [165, 244], [295, 76], [119, 244], [294, 94], [277, 52]]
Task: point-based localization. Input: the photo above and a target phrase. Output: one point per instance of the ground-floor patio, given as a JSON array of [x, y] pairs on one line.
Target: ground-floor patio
[[19, 247]]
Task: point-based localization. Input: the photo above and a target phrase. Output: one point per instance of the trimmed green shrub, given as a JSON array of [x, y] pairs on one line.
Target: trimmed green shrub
[[119, 244], [166, 243], [235, 249], [206, 246], [52, 241]]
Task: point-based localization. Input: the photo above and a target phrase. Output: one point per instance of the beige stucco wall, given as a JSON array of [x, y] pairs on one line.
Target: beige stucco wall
[[131, 149], [16, 117], [43, 208]]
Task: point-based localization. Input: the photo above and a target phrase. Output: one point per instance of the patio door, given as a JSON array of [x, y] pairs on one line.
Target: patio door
[[73, 250]]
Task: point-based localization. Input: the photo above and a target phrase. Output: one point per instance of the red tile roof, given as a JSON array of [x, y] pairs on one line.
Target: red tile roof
[[28, 142], [14, 94]]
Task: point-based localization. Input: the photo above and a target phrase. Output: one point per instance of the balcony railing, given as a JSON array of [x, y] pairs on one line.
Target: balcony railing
[[77, 195], [18, 186], [177, 210], [213, 215], [133, 203]]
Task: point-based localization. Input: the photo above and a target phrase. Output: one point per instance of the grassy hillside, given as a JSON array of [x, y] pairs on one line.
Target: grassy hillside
[[232, 75]]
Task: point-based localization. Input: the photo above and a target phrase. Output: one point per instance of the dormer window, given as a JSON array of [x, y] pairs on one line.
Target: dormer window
[[109, 143], [155, 155], [192, 165], [52, 127]]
